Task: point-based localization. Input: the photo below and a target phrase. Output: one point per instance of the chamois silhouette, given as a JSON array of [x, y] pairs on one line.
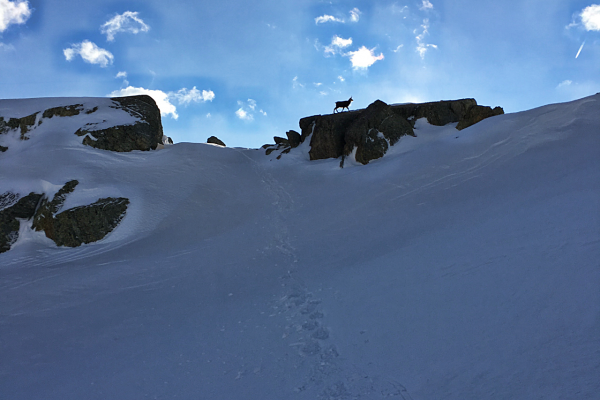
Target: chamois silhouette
[[343, 104]]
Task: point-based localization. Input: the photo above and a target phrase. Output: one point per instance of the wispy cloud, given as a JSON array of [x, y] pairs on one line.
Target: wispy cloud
[[296, 84], [6, 47], [590, 17], [363, 58], [90, 53], [126, 22], [121, 74], [13, 12], [337, 44], [161, 98], [355, 15], [327, 18], [564, 83], [247, 110], [422, 47], [426, 5], [185, 96]]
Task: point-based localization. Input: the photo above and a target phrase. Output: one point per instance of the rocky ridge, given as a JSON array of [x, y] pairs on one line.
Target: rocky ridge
[[368, 133]]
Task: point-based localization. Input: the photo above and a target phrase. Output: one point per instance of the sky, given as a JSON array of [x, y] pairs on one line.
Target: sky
[[248, 71]]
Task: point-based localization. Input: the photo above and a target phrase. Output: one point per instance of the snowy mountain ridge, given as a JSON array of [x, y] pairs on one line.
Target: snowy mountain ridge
[[461, 265]]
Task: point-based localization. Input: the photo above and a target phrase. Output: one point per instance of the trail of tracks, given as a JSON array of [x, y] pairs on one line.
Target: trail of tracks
[[305, 320]]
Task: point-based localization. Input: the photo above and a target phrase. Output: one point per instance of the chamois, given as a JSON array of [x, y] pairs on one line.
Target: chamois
[[343, 104]]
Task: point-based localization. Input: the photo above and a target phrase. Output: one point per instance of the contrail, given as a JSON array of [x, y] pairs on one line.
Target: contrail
[[581, 48]]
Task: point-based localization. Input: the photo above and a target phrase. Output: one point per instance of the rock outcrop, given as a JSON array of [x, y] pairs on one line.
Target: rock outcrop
[[369, 132], [13, 208], [24, 124], [146, 134], [215, 140], [78, 225]]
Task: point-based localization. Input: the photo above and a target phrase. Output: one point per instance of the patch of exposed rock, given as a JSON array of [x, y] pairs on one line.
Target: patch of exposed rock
[[23, 124], [145, 134], [285, 145], [78, 225], [13, 208], [215, 140]]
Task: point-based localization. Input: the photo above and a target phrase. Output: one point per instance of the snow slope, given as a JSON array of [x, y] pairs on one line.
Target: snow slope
[[462, 265]]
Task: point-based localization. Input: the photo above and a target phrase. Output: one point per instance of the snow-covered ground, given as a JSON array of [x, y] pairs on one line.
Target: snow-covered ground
[[462, 265]]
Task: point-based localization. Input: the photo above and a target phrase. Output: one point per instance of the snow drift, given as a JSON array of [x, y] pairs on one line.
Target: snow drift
[[461, 265]]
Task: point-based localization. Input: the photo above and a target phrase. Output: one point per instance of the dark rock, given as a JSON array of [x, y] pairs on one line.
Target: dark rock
[[24, 124], [44, 216], [145, 134], [78, 225], [215, 140], [270, 150], [372, 130], [87, 224], [328, 131], [66, 111], [294, 138], [476, 114], [13, 208], [438, 113], [3, 149], [281, 141], [166, 140]]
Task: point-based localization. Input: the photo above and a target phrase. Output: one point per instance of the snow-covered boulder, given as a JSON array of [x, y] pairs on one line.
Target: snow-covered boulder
[[136, 126], [144, 134]]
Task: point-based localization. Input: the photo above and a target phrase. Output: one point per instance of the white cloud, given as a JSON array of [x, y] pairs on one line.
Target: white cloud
[[126, 22], [398, 48], [355, 15], [363, 58], [337, 44], [327, 18], [243, 115], [121, 74], [13, 12], [186, 96], [161, 98], [426, 5], [590, 17], [252, 104], [341, 78], [262, 112], [90, 53], [422, 47], [564, 83]]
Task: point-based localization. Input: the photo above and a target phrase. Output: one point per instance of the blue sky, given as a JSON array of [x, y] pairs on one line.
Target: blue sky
[[246, 71]]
